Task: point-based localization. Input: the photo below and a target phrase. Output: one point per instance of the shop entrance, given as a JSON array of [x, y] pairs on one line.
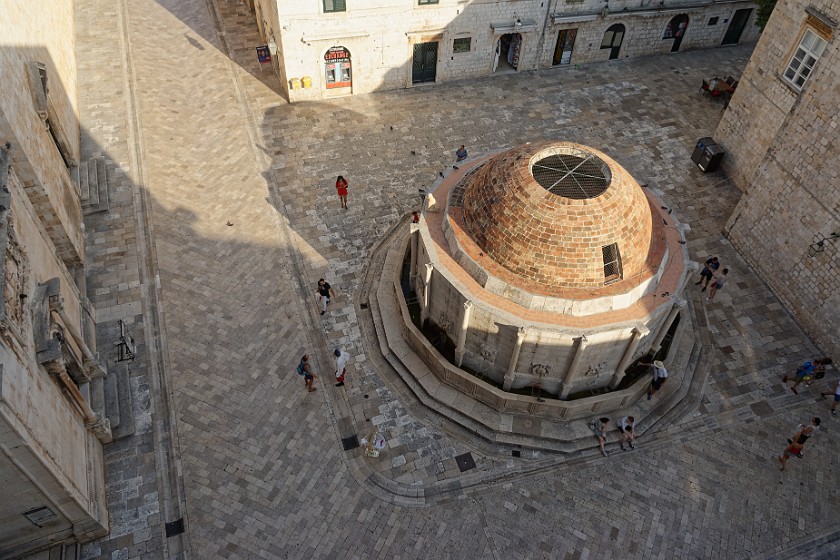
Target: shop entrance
[[563, 49], [337, 67], [676, 30], [508, 51], [424, 63]]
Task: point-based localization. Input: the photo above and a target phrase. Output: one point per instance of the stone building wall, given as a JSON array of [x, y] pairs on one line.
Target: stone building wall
[[381, 35], [491, 336], [783, 150], [51, 464]]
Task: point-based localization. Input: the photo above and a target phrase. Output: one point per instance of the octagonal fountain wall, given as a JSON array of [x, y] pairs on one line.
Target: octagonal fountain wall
[[546, 268]]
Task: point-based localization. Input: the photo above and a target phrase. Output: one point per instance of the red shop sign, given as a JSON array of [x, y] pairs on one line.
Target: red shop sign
[[337, 54]]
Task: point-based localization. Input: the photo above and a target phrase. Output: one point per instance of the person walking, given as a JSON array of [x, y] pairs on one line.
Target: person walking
[[836, 399], [709, 268], [460, 154], [323, 294], [415, 218], [794, 449], [305, 370], [341, 359], [600, 429], [718, 282], [660, 376], [341, 187], [627, 427], [806, 371], [806, 431]]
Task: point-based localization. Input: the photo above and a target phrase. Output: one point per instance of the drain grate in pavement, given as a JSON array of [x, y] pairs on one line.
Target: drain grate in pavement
[[174, 528], [465, 462], [351, 442]]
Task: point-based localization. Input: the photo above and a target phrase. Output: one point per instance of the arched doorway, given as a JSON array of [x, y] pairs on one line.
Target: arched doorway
[[675, 30], [338, 72], [508, 52], [613, 37]]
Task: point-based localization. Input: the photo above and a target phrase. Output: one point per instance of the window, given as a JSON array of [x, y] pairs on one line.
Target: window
[[807, 53], [612, 263], [461, 45], [334, 6], [713, 20], [421, 2]]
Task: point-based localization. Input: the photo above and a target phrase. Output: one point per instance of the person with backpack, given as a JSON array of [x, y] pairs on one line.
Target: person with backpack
[[305, 370], [808, 370]]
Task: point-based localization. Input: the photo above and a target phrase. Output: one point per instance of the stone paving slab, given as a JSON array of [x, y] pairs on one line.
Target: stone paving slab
[[264, 469]]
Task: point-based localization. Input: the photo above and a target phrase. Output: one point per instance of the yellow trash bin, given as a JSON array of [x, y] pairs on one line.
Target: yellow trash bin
[[295, 83], [307, 82]]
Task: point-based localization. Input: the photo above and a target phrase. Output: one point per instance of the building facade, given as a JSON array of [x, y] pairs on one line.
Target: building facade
[[328, 48], [781, 133], [52, 419]]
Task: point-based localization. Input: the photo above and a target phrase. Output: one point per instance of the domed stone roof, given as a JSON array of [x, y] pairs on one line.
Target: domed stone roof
[[560, 215]]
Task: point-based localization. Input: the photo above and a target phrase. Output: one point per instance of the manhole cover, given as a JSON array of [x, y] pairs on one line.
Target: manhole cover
[[349, 443], [465, 462]]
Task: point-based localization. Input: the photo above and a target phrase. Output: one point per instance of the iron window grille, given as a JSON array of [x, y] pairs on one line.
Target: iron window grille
[[421, 2], [807, 53], [612, 263], [575, 174], [461, 45], [335, 6]]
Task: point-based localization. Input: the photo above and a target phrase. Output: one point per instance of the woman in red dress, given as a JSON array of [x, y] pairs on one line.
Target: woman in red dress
[[341, 187]]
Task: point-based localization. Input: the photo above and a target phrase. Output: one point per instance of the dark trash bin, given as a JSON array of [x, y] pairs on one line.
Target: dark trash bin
[[698, 149], [710, 160]]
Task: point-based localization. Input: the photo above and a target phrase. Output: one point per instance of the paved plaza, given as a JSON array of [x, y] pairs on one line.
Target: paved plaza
[[226, 211]]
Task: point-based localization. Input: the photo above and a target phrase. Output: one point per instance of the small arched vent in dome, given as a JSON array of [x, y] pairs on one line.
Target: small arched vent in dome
[[574, 174]]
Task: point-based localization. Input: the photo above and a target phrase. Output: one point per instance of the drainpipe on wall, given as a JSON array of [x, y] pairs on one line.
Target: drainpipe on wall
[[541, 44]]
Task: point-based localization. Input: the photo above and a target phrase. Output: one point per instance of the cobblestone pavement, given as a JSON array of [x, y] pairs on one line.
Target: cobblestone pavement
[[245, 220]]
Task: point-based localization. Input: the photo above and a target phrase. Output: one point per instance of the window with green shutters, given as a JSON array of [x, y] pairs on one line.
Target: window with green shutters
[[334, 6]]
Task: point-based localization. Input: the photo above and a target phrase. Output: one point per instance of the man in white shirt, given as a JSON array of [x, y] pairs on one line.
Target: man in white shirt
[[627, 427], [341, 359]]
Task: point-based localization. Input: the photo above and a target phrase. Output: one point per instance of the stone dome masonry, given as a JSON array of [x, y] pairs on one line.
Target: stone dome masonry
[[554, 214]]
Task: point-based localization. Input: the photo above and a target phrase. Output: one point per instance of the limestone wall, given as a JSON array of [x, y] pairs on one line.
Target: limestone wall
[[381, 35], [43, 33], [644, 28], [550, 349], [56, 461], [783, 148]]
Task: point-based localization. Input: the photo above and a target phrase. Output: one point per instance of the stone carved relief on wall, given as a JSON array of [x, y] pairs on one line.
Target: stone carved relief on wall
[[597, 369], [15, 278], [540, 370], [444, 322]]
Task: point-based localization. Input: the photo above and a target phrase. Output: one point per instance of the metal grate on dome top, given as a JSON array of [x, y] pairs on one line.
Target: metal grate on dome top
[[577, 175]]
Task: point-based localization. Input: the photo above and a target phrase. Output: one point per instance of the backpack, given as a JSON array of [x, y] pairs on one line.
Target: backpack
[[805, 371], [301, 368]]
